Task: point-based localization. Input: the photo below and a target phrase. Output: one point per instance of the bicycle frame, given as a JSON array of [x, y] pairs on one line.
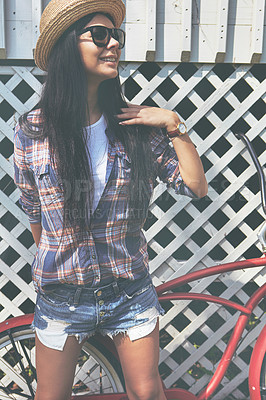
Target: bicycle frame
[[242, 320], [256, 358], [258, 352]]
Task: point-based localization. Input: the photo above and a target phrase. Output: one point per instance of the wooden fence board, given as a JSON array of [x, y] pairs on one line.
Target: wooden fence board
[[164, 30], [2, 31]]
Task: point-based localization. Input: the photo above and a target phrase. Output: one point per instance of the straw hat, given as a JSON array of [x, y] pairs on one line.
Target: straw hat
[[61, 14]]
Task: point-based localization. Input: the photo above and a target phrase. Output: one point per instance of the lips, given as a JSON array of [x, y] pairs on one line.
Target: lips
[[108, 59], [111, 59]]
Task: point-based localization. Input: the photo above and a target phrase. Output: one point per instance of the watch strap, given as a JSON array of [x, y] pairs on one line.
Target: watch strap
[[177, 132]]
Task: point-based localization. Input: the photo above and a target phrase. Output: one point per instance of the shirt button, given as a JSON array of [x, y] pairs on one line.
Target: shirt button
[[99, 293], [102, 313], [93, 256], [101, 302]]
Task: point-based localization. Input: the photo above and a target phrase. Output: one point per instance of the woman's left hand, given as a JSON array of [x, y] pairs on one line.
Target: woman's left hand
[[150, 116]]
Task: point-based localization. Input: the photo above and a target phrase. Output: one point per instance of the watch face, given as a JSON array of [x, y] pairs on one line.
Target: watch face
[[182, 128]]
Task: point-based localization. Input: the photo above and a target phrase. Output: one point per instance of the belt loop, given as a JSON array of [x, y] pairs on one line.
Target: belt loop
[[116, 288], [77, 296]]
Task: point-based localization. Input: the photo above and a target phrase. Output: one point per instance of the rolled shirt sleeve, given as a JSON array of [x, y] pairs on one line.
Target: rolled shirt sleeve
[[168, 165], [24, 179]]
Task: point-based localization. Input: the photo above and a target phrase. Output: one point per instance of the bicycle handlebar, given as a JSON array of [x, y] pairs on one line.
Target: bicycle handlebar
[[254, 157]]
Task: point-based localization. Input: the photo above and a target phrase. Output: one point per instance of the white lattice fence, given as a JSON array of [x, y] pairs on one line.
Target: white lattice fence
[[183, 235]]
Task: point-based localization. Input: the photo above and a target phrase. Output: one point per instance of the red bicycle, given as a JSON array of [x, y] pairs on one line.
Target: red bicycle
[[99, 375]]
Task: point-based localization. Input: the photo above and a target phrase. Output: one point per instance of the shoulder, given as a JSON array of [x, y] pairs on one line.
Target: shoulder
[[35, 116], [27, 125], [35, 112]]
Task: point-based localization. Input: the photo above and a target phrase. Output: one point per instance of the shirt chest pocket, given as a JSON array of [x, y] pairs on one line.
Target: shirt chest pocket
[[48, 185]]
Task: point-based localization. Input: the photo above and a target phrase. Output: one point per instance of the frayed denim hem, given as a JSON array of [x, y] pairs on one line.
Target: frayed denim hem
[[141, 330]]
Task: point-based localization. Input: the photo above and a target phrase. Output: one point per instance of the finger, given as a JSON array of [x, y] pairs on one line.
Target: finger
[[133, 121], [127, 115], [130, 110], [130, 105]]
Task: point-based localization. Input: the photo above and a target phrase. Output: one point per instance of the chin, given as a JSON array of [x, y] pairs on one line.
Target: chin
[[111, 75]]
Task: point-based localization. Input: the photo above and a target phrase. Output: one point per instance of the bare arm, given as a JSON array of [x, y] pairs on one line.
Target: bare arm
[[190, 165], [36, 230]]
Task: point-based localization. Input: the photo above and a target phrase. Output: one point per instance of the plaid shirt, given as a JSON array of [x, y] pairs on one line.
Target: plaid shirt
[[115, 245]]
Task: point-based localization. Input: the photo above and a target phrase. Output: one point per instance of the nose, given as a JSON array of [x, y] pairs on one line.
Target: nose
[[113, 43]]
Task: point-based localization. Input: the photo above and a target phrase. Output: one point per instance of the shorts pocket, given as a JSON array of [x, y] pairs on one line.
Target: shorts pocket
[[137, 288], [55, 298]]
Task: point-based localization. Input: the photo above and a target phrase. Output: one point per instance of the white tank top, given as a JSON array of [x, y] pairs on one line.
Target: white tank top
[[97, 143]]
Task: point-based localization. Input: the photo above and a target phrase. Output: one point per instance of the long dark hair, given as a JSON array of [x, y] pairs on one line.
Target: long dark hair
[[64, 112]]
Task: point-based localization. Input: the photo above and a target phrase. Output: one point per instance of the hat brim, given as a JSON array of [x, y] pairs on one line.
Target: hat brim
[[64, 14]]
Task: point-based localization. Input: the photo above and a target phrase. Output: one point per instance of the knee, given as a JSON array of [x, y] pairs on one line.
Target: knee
[[50, 396], [146, 391]]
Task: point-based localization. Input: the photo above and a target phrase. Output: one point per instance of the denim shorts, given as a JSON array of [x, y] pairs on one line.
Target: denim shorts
[[123, 306]]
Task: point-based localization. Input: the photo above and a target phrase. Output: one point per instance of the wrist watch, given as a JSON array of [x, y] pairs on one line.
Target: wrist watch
[[180, 130]]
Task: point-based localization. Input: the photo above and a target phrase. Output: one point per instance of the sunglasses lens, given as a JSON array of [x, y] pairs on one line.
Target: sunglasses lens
[[100, 35], [119, 35]]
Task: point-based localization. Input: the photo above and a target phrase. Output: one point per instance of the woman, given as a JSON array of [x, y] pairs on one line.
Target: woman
[[85, 162]]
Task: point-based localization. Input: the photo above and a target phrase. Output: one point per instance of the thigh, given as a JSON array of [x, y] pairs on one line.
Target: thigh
[[56, 369], [139, 360]]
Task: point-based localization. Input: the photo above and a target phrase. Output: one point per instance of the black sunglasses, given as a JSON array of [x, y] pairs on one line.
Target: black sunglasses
[[101, 35]]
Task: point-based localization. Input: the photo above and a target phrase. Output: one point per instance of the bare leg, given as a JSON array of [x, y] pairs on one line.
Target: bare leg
[[55, 370], [139, 360]]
